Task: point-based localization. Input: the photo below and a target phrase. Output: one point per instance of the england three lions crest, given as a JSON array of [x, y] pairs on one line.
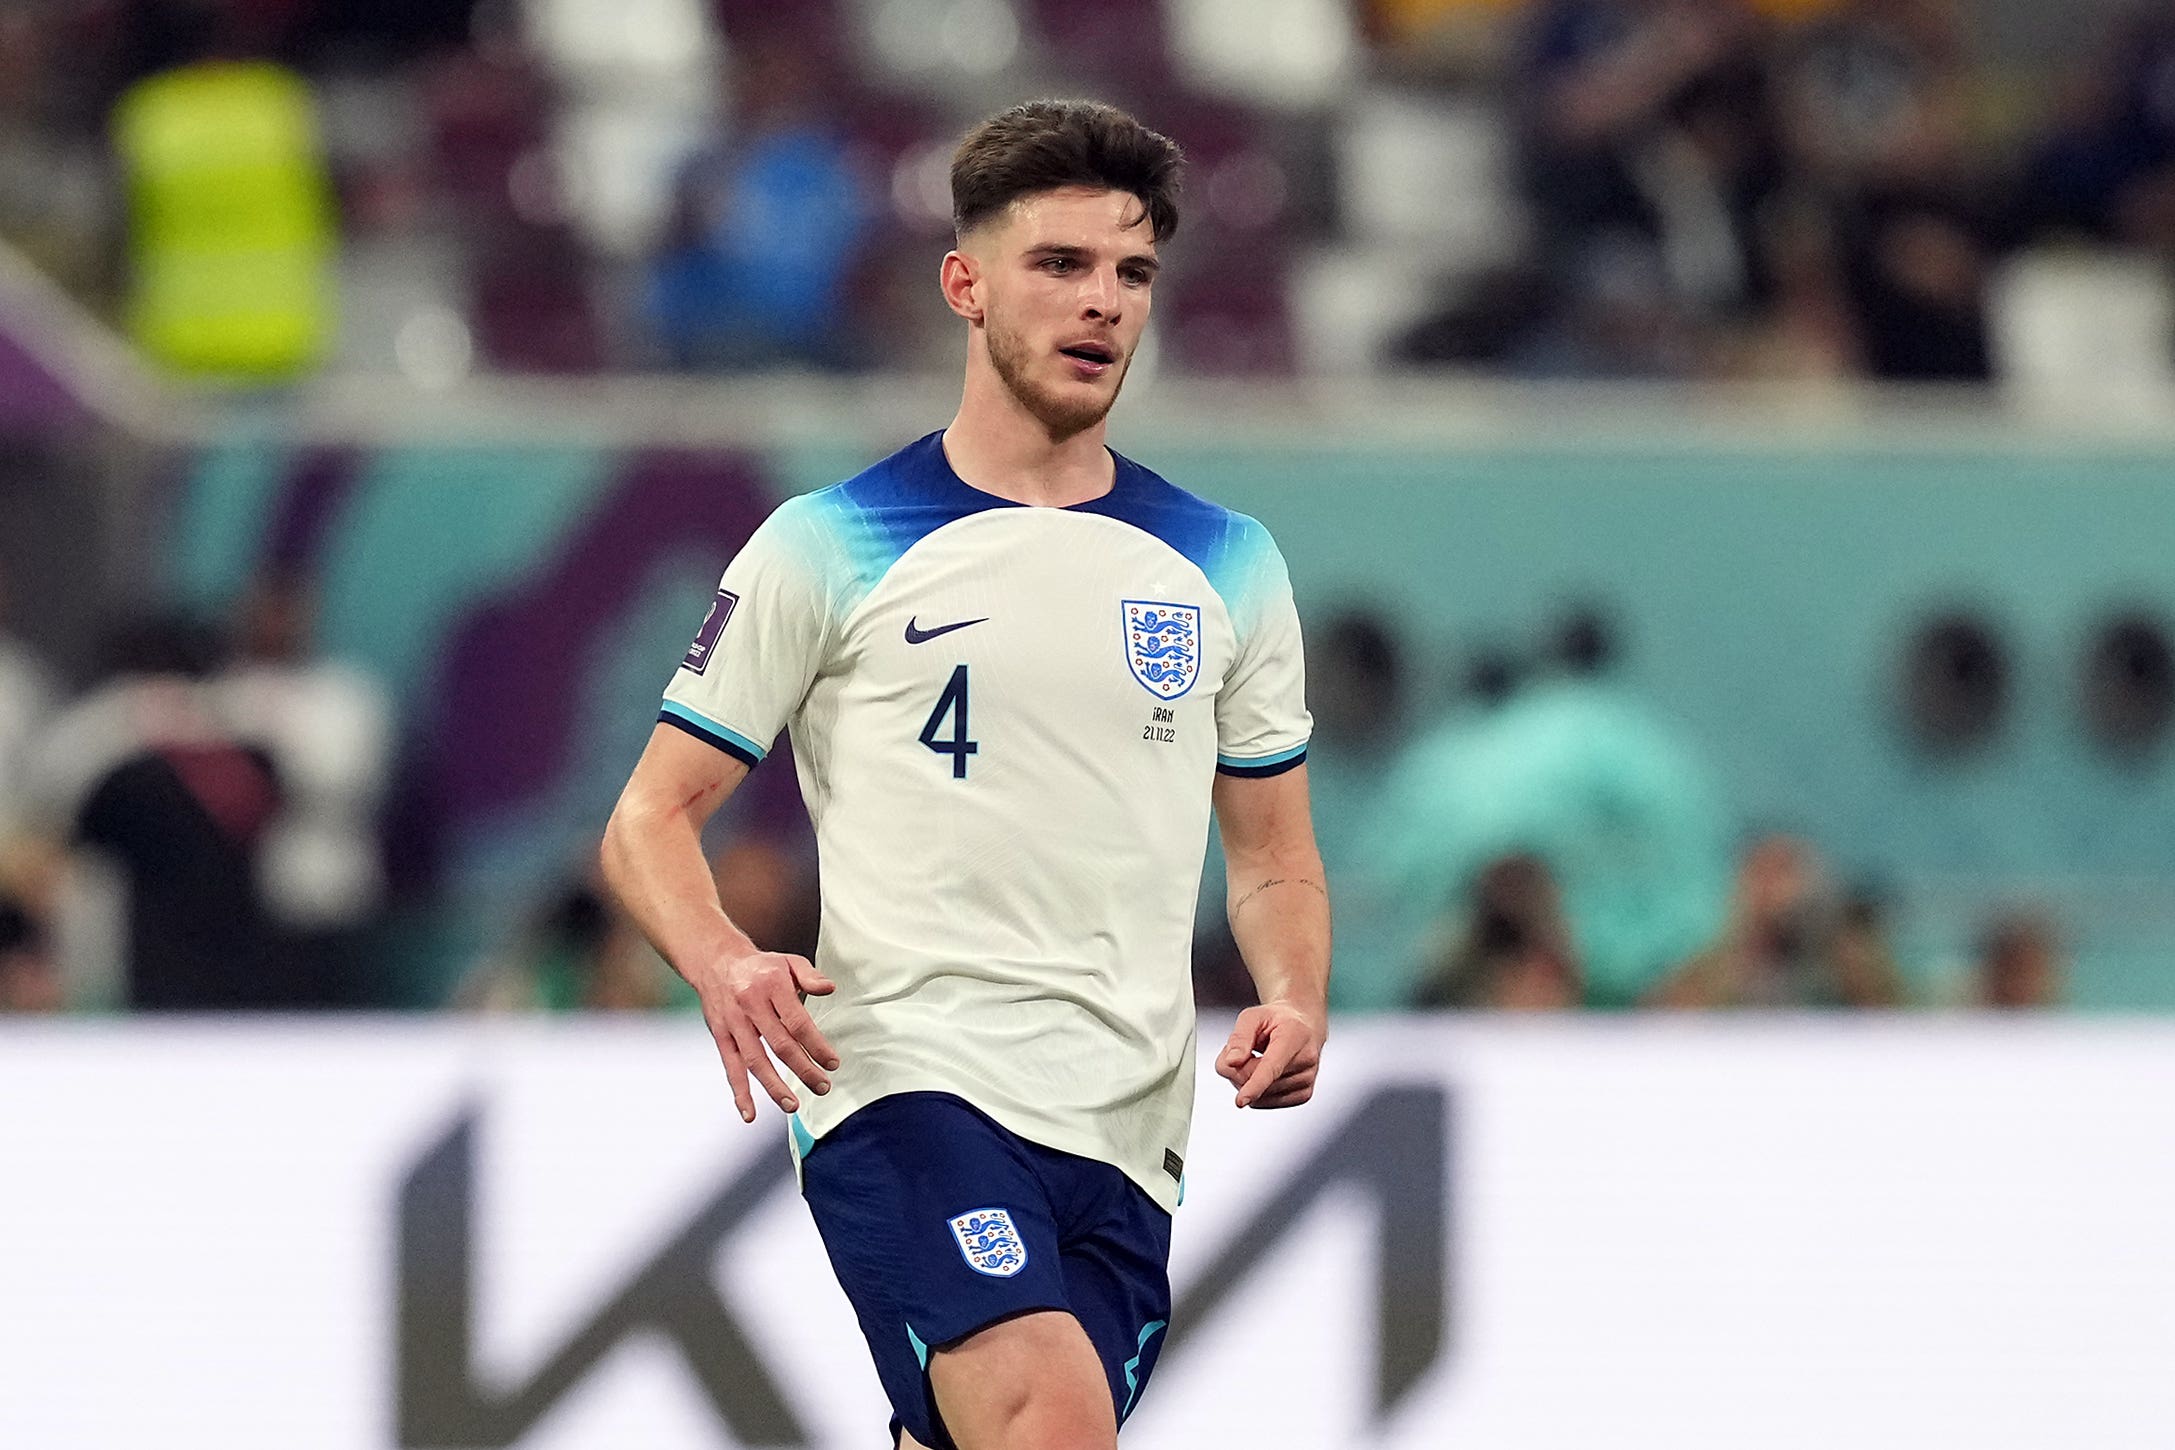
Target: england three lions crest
[[1163, 646], [990, 1242]]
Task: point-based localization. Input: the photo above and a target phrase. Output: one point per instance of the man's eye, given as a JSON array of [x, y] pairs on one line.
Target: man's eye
[[1057, 264], [1137, 276]]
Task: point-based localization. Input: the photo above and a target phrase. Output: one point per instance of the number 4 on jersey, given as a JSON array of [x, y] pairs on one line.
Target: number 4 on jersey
[[953, 702]]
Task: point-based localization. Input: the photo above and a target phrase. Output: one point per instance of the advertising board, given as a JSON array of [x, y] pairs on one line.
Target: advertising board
[[1622, 1233]]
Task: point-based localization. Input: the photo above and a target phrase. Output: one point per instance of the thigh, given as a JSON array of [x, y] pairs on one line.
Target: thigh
[[1032, 1382], [937, 1225], [1117, 1280]]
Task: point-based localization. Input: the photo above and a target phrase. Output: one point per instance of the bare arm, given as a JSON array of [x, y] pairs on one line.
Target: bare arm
[[1279, 910], [653, 861]]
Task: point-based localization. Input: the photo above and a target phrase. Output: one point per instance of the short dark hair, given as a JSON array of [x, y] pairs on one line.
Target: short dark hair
[[1043, 145]]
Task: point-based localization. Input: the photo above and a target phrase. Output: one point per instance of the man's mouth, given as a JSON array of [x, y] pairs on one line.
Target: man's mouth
[[1091, 359]]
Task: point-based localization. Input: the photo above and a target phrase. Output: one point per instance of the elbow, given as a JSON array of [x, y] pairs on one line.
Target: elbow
[[608, 855], [613, 849]]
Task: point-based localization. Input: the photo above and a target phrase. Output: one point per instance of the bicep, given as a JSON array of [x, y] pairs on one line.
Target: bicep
[[1264, 817], [678, 772]]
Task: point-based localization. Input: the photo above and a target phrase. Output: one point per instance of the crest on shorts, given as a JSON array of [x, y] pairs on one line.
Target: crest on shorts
[[1163, 645], [713, 625], [990, 1243]]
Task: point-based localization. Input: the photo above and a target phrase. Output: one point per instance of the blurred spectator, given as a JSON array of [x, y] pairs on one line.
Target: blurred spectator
[[580, 953], [2107, 171], [1360, 674], [768, 888], [371, 33], [29, 981], [1577, 772], [1493, 675], [1357, 688], [769, 229], [1394, 878], [147, 774], [1449, 37], [1863, 962], [1872, 94], [1791, 941], [232, 237], [1810, 330], [54, 202], [27, 697], [1649, 154], [328, 731], [1514, 952], [528, 279], [1872, 100], [2020, 964]]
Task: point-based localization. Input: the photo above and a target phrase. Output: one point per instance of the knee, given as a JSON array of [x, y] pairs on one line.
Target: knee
[[1064, 1415]]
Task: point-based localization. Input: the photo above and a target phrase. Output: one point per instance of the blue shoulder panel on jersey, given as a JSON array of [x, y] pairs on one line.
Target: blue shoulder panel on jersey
[[883, 511], [1228, 547], [887, 508]]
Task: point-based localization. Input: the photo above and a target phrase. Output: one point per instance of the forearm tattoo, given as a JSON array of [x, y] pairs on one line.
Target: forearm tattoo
[[1306, 881]]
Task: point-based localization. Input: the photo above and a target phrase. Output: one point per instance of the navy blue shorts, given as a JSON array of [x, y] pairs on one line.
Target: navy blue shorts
[[939, 1223]]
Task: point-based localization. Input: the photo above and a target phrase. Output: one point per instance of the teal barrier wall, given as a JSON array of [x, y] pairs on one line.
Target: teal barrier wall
[[1765, 597], [1763, 591]]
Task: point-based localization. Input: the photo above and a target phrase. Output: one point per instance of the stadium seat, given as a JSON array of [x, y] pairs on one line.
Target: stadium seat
[[1284, 53]]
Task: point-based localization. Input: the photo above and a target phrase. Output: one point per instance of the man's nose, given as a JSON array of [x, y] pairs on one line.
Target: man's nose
[[1102, 297]]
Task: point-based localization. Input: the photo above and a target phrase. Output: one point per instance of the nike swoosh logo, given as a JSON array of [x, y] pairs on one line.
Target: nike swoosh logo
[[916, 635]]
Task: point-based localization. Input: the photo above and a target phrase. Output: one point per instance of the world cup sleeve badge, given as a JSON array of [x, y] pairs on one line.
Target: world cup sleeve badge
[[990, 1242], [1163, 646], [713, 625]]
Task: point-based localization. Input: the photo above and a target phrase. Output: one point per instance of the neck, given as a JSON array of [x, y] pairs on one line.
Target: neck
[[999, 447]]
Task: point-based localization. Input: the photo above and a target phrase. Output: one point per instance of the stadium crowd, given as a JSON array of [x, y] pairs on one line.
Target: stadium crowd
[[1764, 188]]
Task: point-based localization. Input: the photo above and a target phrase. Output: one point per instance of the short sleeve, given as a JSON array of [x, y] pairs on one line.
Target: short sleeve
[[762, 642], [1262, 724]]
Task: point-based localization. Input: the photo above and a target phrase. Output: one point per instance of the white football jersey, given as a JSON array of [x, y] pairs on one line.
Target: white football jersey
[[1006, 720]]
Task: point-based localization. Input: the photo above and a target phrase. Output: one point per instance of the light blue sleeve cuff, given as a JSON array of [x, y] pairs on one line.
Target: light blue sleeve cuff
[[703, 728], [1262, 765]]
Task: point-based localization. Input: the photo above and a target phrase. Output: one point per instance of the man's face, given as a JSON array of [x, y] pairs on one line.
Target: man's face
[[1065, 283]]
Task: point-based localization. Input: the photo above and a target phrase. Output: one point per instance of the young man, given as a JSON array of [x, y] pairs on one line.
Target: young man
[[1016, 668]]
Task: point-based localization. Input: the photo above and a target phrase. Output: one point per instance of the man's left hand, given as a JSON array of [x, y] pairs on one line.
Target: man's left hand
[[1273, 1055]]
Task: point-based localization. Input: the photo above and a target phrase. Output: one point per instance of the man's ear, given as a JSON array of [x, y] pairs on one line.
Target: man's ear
[[961, 280]]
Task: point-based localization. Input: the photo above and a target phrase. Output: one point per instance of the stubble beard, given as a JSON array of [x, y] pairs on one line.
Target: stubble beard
[[1061, 416]]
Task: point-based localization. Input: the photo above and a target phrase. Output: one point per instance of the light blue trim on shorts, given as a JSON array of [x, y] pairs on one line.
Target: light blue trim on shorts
[[1132, 1366]]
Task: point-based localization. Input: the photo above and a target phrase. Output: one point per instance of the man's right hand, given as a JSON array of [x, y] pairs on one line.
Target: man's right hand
[[754, 1001]]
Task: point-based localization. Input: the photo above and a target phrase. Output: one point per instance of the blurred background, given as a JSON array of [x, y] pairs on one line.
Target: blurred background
[[1725, 451]]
